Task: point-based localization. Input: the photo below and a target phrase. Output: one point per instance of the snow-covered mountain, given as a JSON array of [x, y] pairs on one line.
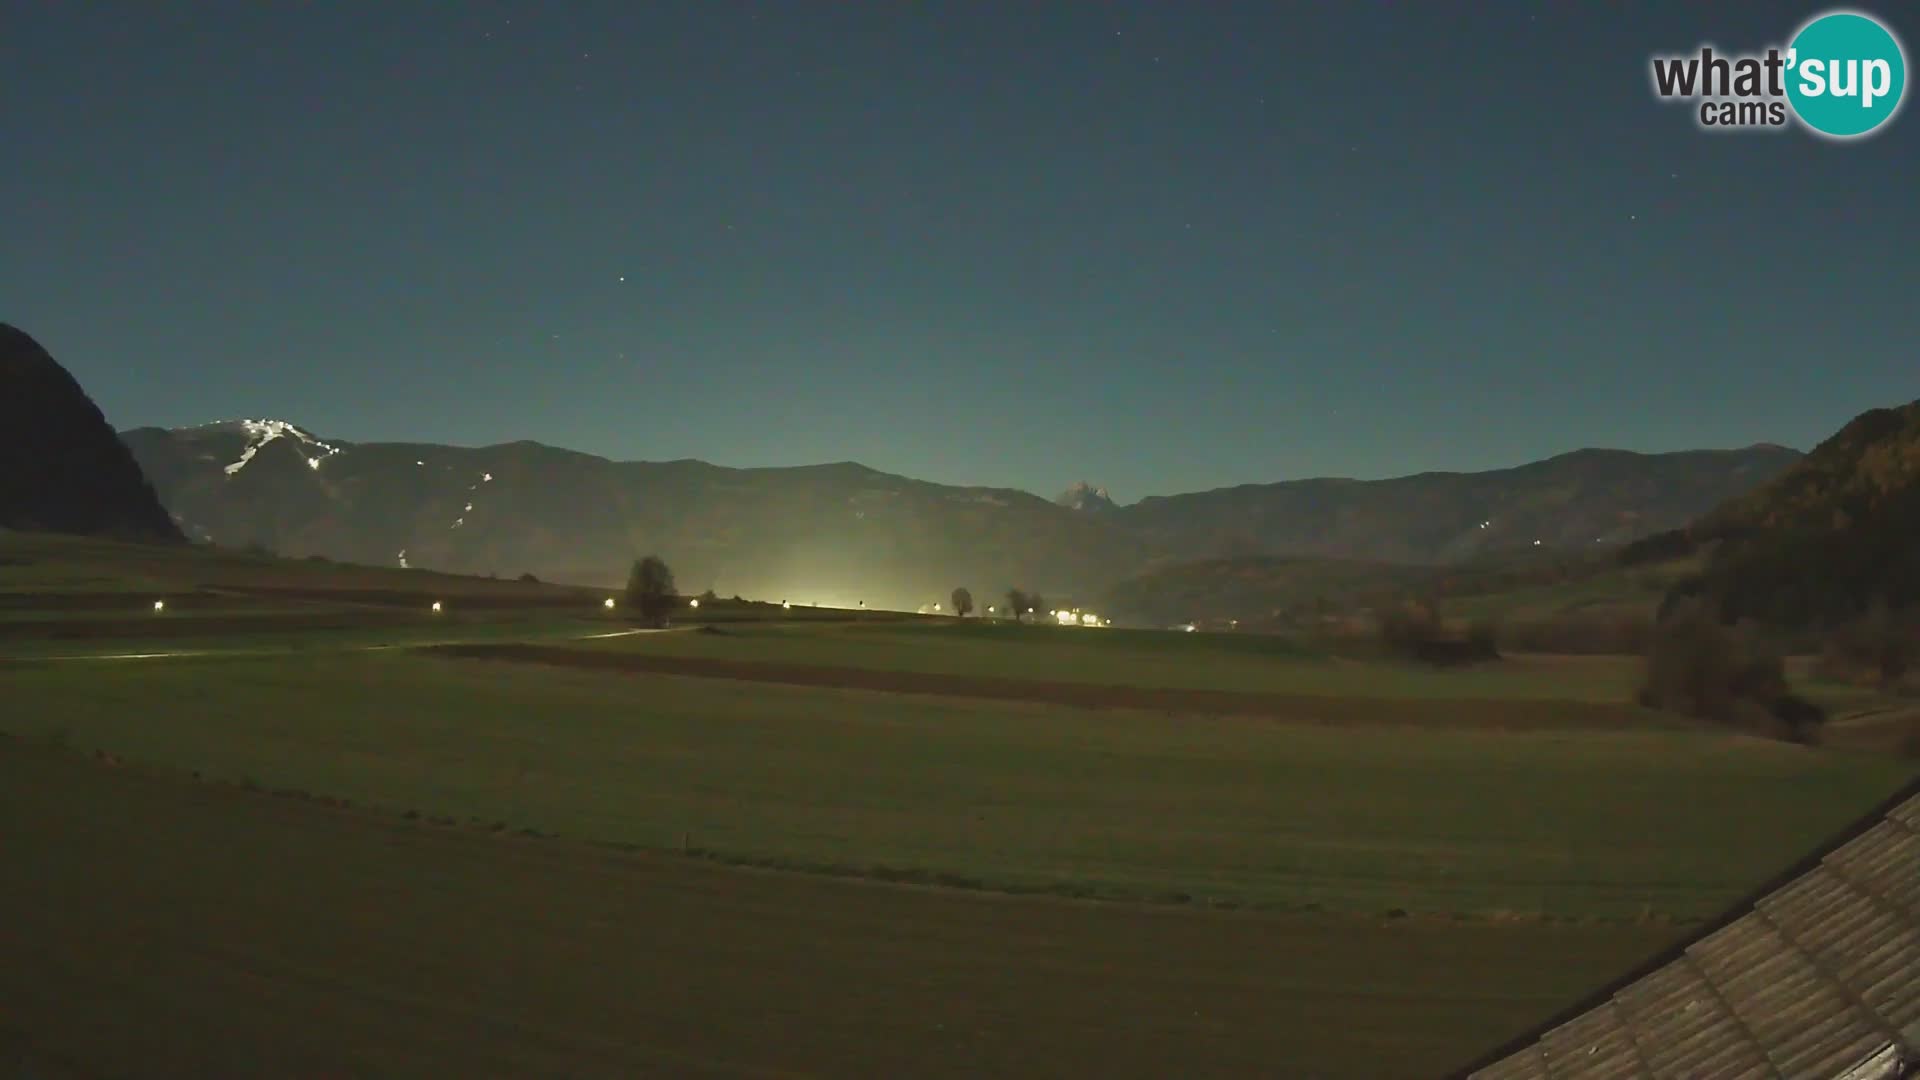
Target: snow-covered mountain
[[259, 433], [824, 533], [1085, 497], [846, 533]]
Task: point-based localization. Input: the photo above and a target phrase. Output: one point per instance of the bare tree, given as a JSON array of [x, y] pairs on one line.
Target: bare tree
[[962, 602]]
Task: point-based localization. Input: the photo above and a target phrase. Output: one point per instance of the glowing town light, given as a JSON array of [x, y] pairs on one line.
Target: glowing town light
[[990, 609], [159, 605], [695, 602], [1089, 620], [936, 607], [608, 604], [436, 607], [784, 606]]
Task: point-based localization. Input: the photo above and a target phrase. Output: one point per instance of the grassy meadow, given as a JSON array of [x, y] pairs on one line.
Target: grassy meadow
[[166, 927], [813, 842], [1435, 820], [1253, 663]]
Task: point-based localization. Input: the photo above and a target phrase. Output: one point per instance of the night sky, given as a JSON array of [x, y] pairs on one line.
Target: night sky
[[1159, 247]]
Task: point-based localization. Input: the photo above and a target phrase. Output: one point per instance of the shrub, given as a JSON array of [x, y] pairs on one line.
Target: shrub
[[1415, 629], [1406, 627], [1660, 547], [1581, 634], [1482, 638], [529, 578], [1879, 647], [1699, 666], [650, 588]]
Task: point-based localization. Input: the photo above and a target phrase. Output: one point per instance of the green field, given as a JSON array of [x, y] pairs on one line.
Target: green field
[[1578, 824], [735, 852], [1151, 658], [161, 927]]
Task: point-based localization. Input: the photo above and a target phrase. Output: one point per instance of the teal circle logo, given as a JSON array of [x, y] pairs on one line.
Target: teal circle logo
[[1846, 74]]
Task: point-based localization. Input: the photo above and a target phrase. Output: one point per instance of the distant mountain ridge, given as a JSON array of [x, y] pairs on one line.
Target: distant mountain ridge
[[62, 467], [845, 533], [1572, 500], [833, 534]]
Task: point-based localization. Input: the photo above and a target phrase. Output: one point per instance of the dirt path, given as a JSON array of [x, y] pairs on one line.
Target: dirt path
[[175, 654]]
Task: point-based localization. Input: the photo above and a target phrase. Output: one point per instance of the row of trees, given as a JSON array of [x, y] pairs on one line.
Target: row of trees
[[651, 592], [1019, 602]]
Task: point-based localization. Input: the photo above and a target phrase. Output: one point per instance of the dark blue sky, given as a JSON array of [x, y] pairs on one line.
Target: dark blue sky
[[1161, 247]]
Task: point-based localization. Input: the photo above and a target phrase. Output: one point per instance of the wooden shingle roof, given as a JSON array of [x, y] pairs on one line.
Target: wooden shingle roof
[[1816, 976]]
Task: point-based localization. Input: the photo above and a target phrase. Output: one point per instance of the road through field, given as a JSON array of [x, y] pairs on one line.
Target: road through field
[[158, 926], [176, 654]]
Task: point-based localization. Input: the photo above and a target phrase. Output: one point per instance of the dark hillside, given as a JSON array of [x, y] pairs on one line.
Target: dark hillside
[[1830, 536], [62, 467]]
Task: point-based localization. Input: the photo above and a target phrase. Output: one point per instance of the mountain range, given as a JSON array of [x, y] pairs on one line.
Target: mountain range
[[843, 533]]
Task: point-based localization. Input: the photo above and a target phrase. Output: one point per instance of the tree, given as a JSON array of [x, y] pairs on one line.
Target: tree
[[1700, 666], [650, 588], [1017, 604], [962, 602]]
